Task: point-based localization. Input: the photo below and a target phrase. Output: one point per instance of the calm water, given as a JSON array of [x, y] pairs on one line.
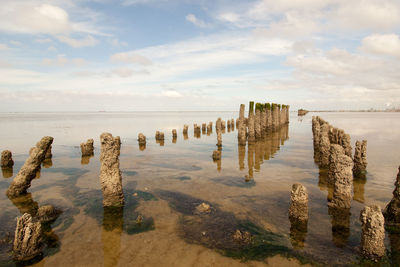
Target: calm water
[[249, 189]]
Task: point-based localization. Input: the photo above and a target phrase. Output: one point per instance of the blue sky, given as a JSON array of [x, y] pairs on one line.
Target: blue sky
[[89, 55]]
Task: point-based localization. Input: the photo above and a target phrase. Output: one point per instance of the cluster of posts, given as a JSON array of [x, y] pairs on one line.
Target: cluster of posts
[[333, 152], [266, 117]]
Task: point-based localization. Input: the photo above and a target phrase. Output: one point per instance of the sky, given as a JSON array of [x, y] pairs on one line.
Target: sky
[[180, 55]]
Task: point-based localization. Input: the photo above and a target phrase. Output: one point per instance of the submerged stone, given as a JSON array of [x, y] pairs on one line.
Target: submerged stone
[[298, 203], [6, 159], [87, 148], [360, 159], [373, 232], [28, 240], [141, 139]]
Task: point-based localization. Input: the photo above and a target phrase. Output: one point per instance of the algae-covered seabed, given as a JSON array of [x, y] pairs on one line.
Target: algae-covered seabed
[[159, 225]]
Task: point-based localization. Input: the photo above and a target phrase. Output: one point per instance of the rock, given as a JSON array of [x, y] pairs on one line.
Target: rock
[[360, 159], [392, 210], [203, 127], [341, 176], [141, 139], [302, 112], [159, 136], [203, 208], [28, 241], [209, 127], [298, 203], [6, 159], [27, 173], [110, 174], [185, 129], [242, 237], [47, 213], [216, 155], [373, 233], [87, 148]]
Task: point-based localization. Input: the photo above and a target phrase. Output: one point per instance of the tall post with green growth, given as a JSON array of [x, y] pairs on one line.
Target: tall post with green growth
[[269, 116], [250, 124], [257, 121]]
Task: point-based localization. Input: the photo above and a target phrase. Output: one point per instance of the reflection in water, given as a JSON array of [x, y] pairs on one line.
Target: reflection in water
[[250, 159], [7, 172], [174, 138], [298, 232], [47, 163], [340, 225], [111, 234], [185, 136], [394, 248], [160, 142], [25, 204], [323, 179], [85, 160], [142, 147], [197, 135], [262, 149], [242, 153], [358, 187]]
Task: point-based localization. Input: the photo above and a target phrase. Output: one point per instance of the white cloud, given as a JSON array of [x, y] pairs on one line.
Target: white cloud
[[43, 40], [338, 71], [382, 44], [196, 21], [171, 93], [329, 15], [5, 64], [131, 58], [76, 43], [33, 18], [118, 43], [63, 61], [3, 47]]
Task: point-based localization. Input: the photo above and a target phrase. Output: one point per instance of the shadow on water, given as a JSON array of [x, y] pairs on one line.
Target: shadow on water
[[222, 231], [133, 221]]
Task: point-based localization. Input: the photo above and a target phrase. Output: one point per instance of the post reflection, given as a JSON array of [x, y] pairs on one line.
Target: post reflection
[[85, 160], [261, 150], [340, 225], [185, 136], [111, 234], [298, 233], [7, 172], [394, 238], [47, 163], [358, 189], [174, 139]]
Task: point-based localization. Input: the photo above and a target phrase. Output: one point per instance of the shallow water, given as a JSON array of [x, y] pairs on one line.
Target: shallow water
[[248, 189]]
